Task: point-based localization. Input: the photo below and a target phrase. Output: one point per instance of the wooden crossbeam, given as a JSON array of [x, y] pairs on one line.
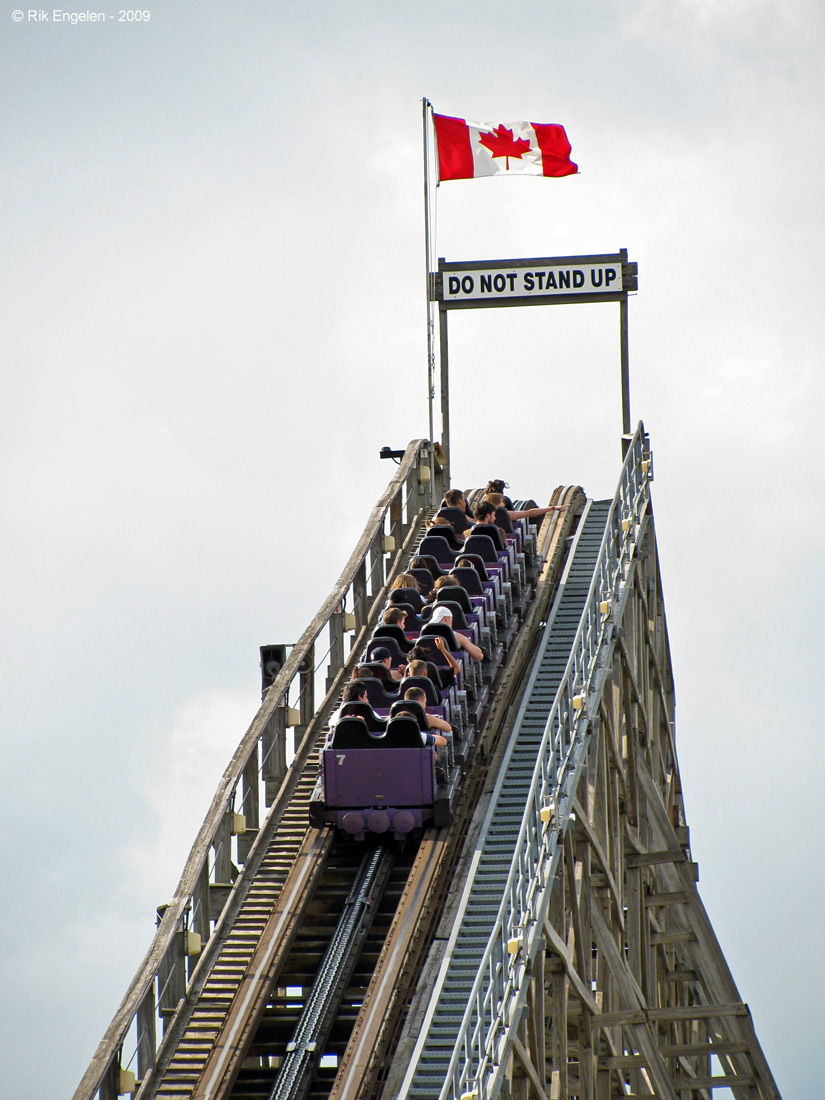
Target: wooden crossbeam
[[557, 945], [680, 1012]]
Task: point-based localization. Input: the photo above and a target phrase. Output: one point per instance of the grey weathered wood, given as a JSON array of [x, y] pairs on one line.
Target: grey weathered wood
[[306, 704], [110, 1084], [148, 969], [250, 796], [273, 752], [336, 645], [147, 1036], [222, 849], [172, 976], [200, 904]]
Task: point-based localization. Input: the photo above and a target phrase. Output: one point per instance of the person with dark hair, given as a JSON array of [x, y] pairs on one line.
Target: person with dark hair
[[444, 677], [354, 692], [461, 524], [419, 695], [394, 616], [443, 582], [485, 512], [382, 656], [378, 670], [420, 563], [498, 486]]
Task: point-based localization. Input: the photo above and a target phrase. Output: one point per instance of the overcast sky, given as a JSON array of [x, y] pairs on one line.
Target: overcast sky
[[213, 318]]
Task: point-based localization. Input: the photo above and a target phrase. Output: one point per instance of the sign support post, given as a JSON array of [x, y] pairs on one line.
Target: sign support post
[[445, 380], [556, 280]]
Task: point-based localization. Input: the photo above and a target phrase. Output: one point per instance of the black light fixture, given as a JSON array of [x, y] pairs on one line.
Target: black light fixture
[[388, 452]]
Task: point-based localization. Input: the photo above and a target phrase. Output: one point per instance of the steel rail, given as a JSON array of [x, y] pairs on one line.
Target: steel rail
[[307, 1043], [259, 766]]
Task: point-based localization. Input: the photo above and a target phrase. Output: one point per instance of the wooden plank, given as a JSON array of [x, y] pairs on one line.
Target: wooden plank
[[645, 859], [252, 995], [725, 1081], [666, 897], [557, 945], [584, 823], [680, 1012], [527, 1064]]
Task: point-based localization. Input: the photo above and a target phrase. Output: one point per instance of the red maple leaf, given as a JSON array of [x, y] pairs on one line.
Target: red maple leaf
[[501, 144]]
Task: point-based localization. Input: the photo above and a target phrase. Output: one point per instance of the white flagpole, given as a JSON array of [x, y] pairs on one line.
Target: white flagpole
[[430, 252]]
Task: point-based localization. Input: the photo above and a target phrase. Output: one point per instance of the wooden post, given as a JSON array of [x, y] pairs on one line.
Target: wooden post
[[273, 753], [336, 644], [171, 976], [396, 520], [445, 379], [250, 807], [110, 1085], [200, 904], [306, 705], [625, 358], [359, 595], [222, 846], [376, 564], [147, 1037]]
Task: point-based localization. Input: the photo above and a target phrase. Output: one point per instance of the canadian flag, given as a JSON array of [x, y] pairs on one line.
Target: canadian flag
[[470, 149]]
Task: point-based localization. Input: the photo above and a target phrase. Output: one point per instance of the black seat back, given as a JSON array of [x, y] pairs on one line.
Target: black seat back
[[437, 547], [398, 656], [352, 733], [403, 733], [395, 633], [446, 632], [376, 694], [457, 517], [408, 597], [424, 578], [428, 685], [503, 519], [490, 531], [470, 580], [416, 708], [446, 532], [356, 709], [454, 593], [478, 564], [483, 546]]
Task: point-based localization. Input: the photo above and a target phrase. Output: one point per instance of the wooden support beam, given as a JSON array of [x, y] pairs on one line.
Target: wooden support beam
[[644, 1036], [678, 1012], [527, 1064], [557, 945], [582, 820], [666, 897]]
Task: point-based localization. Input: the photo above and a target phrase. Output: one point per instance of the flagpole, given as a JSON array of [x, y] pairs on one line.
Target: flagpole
[[429, 252]]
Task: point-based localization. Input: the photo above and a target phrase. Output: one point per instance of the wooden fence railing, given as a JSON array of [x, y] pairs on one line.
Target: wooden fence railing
[[313, 670]]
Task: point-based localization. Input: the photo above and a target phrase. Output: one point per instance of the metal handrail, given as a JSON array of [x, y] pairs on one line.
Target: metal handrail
[[419, 482], [478, 1061]]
